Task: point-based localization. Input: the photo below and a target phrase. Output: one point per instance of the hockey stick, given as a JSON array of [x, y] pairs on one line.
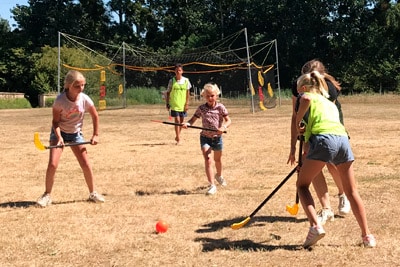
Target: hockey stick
[[238, 225], [295, 208], [191, 126], [39, 145]]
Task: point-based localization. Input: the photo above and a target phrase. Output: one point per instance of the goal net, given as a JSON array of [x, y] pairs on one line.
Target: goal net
[[104, 80], [241, 70]]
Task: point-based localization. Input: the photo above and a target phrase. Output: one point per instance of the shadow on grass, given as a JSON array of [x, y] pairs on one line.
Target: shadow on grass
[[151, 145], [259, 221], [27, 204], [210, 244], [71, 201], [179, 192], [18, 204]]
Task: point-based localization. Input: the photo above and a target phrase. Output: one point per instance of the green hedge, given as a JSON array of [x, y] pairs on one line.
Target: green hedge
[[16, 103]]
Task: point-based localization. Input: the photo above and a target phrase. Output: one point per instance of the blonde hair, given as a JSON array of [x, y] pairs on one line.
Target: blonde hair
[[210, 87], [316, 65], [314, 82], [71, 77]]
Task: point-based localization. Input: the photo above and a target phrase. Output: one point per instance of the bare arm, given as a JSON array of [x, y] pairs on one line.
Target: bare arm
[[95, 120], [227, 123], [305, 102], [189, 122], [56, 125], [293, 134], [187, 100], [169, 87]]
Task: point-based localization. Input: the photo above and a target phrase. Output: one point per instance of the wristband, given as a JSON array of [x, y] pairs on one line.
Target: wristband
[[224, 126]]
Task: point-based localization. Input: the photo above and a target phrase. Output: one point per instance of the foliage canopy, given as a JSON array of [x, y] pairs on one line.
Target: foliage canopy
[[357, 40]]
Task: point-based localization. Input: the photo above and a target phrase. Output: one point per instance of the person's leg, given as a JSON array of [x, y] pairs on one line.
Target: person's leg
[[80, 153], [308, 172], [319, 184], [218, 166], [178, 119], [336, 177], [344, 204], [206, 150], [177, 129], [349, 185], [54, 159], [321, 189], [218, 162]]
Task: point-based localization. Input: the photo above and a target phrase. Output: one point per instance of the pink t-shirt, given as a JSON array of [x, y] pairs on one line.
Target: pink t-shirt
[[72, 113], [211, 117]]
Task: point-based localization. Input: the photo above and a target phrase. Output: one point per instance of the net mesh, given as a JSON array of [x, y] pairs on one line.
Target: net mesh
[[230, 63]]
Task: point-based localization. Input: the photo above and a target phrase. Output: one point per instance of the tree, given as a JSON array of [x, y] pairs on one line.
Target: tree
[[41, 21], [94, 20], [370, 47], [4, 33], [357, 40]]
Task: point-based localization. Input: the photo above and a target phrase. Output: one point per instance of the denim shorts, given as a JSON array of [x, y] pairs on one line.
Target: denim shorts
[[68, 138], [215, 143], [330, 148], [175, 113]]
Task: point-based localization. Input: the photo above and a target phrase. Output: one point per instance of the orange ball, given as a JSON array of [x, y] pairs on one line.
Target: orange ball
[[161, 227]]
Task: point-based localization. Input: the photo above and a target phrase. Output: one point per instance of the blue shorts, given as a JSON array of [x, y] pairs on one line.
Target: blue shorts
[[215, 143], [175, 113], [68, 138], [330, 148]]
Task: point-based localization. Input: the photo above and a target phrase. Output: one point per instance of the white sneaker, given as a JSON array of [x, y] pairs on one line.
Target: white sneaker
[[212, 190], [369, 241], [325, 215], [220, 180], [344, 205], [314, 234], [96, 197], [44, 200]]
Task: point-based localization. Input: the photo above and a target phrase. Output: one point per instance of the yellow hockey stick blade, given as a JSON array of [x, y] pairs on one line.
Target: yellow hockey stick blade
[[37, 142], [270, 91], [239, 225], [262, 107], [293, 209], [260, 78]]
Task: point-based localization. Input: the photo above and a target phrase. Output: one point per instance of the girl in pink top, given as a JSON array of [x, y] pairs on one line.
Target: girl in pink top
[[214, 115], [68, 112]]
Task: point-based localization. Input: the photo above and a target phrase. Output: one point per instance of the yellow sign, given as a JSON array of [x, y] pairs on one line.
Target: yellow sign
[[270, 91], [253, 92], [260, 78], [103, 76], [102, 104]]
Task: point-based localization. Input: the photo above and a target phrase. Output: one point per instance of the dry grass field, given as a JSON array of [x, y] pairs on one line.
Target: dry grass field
[[145, 177]]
